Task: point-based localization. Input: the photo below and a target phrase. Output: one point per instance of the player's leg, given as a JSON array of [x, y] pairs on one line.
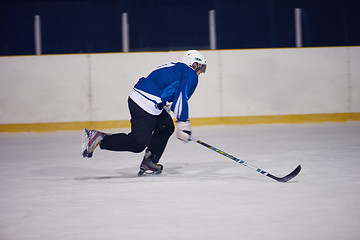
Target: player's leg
[[163, 130], [142, 127]]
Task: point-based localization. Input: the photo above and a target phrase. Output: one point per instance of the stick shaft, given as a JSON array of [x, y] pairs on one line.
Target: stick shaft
[[259, 170], [287, 178]]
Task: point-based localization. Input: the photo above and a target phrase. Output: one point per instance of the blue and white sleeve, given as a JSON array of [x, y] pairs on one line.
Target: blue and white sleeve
[[180, 106]]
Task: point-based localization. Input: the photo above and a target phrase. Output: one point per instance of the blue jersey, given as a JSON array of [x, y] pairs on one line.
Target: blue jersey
[[175, 82]]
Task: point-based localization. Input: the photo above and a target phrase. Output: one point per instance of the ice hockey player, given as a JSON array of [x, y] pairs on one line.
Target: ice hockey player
[[151, 124]]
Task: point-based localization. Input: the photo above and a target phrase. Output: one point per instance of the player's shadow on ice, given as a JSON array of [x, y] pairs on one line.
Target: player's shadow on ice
[[127, 173], [174, 171], [80, 173]]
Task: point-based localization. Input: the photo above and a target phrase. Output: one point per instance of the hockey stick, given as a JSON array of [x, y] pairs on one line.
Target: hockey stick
[[259, 170]]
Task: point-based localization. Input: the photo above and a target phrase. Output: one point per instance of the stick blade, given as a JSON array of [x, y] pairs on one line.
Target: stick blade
[[287, 177]]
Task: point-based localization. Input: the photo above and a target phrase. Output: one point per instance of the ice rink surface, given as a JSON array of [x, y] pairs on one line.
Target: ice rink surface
[[48, 191]]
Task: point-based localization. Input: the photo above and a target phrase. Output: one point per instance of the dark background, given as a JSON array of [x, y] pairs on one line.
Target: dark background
[[93, 26]]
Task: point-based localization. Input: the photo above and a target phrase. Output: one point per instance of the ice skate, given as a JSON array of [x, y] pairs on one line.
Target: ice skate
[[148, 167], [90, 140]]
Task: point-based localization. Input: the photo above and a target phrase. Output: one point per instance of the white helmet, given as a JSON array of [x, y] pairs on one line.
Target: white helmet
[[193, 56]]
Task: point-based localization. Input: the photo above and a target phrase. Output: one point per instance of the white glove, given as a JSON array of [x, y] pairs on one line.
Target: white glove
[[183, 131]]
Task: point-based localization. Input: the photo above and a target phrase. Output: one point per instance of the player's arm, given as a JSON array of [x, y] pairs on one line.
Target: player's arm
[[180, 108]]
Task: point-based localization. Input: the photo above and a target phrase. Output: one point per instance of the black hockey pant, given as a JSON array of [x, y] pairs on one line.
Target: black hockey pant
[[151, 131]]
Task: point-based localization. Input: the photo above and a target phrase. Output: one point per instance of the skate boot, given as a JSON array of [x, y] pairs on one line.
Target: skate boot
[[149, 166], [90, 140]]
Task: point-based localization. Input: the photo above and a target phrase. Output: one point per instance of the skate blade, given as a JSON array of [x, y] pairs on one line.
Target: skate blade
[[143, 173], [84, 142]]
